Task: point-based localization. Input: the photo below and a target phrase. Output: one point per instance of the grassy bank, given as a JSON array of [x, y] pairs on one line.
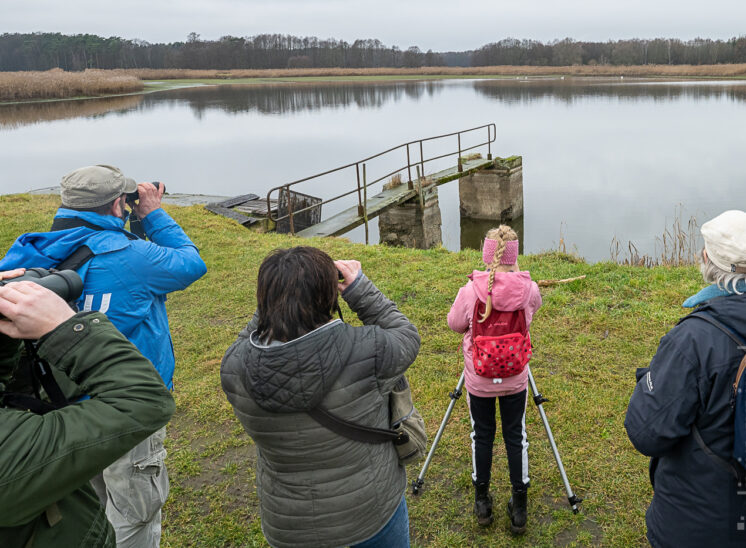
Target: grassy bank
[[589, 336], [58, 84]]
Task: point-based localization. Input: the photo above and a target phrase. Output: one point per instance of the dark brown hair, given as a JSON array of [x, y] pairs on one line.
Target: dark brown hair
[[296, 293]]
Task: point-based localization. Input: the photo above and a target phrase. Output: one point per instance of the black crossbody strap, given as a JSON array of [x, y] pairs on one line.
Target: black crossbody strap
[[731, 466], [43, 374], [14, 400], [712, 321], [64, 223], [350, 430]]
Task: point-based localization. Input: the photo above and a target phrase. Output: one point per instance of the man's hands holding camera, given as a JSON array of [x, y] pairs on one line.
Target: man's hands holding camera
[[28, 310], [348, 271], [149, 199]]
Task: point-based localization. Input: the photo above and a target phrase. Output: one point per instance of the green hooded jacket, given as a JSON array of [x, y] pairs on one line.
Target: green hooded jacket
[[46, 461]]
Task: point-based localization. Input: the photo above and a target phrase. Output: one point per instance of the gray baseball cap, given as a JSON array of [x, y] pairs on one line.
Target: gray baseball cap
[[94, 186]]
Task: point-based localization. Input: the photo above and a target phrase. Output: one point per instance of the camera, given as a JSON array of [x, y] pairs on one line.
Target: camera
[[65, 283], [132, 197]]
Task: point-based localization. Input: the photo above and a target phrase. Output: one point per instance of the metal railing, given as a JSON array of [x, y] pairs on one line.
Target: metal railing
[[363, 184]]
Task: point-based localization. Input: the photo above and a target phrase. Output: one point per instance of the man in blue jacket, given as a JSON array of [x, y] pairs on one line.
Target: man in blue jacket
[[126, 278], [681, 411]]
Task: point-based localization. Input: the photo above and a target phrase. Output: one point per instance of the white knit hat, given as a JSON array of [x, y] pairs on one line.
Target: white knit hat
[[725, 240]]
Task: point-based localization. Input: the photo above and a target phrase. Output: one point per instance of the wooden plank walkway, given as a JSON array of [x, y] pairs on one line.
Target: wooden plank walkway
[[348, 219]]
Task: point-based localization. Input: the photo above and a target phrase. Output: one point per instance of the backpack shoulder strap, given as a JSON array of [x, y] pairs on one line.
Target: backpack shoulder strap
[[83, 254], [64, 223], [728, 331], [722, 327], [79, 257], [732, 465]]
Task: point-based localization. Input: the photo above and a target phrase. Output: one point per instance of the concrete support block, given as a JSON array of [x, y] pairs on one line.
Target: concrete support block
[[415, 223], [495, 193]]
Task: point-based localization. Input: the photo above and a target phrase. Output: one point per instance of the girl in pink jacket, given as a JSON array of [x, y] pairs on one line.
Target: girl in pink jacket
[[501, 287]]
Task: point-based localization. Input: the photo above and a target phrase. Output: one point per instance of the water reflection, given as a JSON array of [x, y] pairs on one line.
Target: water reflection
[[277, 99], [17, 115], [602, 158], [473, 231], [575, 89]]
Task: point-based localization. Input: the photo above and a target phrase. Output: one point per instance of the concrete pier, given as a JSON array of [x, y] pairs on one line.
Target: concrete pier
[[495, 193], [414, 223]]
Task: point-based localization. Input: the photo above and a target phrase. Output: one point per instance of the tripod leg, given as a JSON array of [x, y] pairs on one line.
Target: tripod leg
[[538, 400], [456, 394]]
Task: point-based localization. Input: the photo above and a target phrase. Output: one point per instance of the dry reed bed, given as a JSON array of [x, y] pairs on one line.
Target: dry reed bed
[[585, 70], [58, 84], [22, 114]]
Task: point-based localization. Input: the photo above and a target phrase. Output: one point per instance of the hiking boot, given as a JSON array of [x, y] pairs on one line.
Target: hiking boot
[[483, 504], [517, 512]]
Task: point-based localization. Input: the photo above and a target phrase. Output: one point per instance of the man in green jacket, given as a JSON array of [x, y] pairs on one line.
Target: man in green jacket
[[46, 461]]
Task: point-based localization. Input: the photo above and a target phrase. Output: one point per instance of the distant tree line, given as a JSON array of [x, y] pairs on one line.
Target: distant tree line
[[42, 51], [567, 52]]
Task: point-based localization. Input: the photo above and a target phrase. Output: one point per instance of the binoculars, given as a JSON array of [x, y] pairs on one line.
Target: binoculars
[[132, 197], [66, 283]]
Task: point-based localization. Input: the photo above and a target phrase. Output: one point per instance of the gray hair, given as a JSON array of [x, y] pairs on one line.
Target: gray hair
[[725, 279]]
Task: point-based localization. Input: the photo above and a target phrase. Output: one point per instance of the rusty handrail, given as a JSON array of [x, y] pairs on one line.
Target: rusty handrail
[[361, 190]]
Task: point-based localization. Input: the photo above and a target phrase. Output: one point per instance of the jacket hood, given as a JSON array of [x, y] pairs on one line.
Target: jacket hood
[[294, 376], [510, 290], [48, 249]]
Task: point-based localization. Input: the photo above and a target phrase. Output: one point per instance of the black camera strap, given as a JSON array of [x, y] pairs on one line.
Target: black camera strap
[[35, 374], [42, 375]]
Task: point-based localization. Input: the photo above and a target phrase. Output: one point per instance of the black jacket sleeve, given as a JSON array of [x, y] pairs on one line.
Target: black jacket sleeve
[[665, 401]]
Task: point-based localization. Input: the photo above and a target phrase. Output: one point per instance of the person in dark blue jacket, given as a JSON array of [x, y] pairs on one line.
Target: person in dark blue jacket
[[127, 279], [687, 390]]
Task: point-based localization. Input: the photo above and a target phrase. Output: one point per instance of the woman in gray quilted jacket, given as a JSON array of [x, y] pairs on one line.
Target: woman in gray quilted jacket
[[317, 488]]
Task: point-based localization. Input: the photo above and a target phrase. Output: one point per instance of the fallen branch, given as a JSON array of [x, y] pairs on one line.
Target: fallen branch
[[547, 283]]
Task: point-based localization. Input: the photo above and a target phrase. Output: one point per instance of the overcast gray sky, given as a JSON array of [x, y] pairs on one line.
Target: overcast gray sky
[[430, 24]]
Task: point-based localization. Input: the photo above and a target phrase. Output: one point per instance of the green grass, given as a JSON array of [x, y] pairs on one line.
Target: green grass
[[590, 335]]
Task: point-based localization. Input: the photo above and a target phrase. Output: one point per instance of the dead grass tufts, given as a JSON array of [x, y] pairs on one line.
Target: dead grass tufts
[[58, 84], [394, 182], [677, 246]]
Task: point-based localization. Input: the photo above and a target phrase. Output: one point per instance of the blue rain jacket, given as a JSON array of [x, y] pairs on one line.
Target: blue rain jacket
[[127, 280]]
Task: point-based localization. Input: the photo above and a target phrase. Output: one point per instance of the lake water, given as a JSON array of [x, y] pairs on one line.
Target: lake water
[[602, 159]]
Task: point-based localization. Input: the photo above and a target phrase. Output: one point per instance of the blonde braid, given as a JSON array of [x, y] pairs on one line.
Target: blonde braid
[[501, 234]]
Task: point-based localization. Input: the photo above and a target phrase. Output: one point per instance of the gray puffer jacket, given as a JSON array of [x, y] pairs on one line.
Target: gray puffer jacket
[[315, 487]]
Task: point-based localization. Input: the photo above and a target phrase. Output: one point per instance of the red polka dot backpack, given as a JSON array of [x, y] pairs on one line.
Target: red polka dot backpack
[[502, 344]]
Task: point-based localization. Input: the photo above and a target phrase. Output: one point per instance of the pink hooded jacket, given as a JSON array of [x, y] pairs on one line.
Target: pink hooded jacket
[[510, 291]]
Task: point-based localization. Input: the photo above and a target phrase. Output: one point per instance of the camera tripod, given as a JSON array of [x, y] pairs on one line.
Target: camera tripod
[[572, 498]]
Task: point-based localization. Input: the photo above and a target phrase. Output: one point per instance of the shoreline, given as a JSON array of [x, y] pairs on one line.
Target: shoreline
[[167, 80]]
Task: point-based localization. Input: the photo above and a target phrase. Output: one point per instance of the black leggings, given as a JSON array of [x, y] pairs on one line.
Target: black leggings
[[513, 421]]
